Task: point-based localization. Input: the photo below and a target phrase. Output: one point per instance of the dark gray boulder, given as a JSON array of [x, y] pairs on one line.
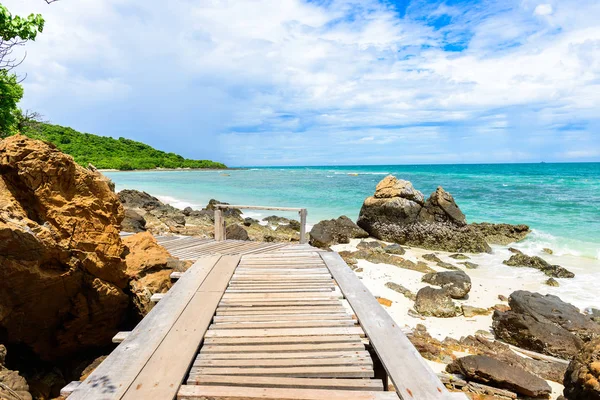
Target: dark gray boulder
[[544, 324], [394, 249], [335, 231], [499, 374], [523, 260], [133, 222], [457, 283], [236, 232], [135, 199], [435, 303]]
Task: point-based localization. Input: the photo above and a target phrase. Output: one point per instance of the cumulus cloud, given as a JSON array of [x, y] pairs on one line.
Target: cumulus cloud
[[543, 9], [288, 81]]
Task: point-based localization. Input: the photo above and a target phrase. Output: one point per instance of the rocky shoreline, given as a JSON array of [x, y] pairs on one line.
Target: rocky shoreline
[[72, 281]]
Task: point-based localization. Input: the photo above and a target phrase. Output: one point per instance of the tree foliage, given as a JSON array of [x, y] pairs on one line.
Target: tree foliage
[[10, 94], [14, 31], [110, 153]]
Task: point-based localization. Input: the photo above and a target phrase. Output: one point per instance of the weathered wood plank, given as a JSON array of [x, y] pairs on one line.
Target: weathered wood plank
[[195, 392], [282, 324], [398, 356], [336, 309], [284, 340], [282, 355], [165, 370], [280, 317], [346, 330], [298, 347], [276, 382], [119, 337], [284, 362], [114, 376], [298, 372]]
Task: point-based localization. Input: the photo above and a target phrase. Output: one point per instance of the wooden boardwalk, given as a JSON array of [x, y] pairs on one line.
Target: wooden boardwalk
[[263, 321]]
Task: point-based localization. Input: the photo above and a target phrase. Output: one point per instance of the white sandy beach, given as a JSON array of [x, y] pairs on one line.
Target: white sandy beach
[[489, 280]]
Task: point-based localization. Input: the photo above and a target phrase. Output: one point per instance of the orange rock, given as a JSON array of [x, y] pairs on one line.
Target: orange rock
[[385, 302], [149, 266], [61, 269]]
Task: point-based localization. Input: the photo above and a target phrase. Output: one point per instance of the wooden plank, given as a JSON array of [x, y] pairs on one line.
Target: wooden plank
[[256, 304], [281, 310], [119, 337], [279, 317], [276, 382], [298, 372], [70, 388], [288, 348], [278, 295], [283, 324], [114, 376], [398, 356], [175, 275], [206, 392], [283, 362], [346, 330], [156, 297], [284, 340], [165, 370], [281, 355]]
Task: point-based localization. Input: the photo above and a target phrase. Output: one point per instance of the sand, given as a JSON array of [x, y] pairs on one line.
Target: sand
[[489, 280]]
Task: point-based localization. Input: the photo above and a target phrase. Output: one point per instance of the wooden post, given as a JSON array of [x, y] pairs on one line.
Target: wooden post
[[219, 228], [303, 226]]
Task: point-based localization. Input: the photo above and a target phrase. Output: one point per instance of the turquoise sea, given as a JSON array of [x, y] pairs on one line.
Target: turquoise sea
[[561, 202]]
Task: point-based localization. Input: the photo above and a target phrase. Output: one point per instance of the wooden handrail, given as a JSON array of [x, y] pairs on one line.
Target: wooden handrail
[[220, 221]]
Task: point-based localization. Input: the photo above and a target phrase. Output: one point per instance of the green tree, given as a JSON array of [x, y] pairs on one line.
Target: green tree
[[14, 31], [10, 94]]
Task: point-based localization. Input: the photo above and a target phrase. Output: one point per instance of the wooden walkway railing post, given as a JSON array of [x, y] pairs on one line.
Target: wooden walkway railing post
[[220, 220]]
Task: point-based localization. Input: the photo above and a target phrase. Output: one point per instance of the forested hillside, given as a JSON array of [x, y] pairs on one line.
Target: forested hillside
[[106, 152]]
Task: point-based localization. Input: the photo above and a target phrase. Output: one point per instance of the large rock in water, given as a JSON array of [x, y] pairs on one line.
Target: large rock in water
[[523, 260], [544, 324], [334, 231], [60, 252], [502, 234], [582, 380], [397, 213], [490, 371]]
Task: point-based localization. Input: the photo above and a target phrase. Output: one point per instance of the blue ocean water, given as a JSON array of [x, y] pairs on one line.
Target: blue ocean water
[[561, 202]]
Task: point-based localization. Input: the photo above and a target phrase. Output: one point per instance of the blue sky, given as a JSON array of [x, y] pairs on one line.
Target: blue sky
[[285, 82]]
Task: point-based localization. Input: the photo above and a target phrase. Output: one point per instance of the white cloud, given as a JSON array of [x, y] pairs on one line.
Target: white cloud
[[543, 9], [284, 73]]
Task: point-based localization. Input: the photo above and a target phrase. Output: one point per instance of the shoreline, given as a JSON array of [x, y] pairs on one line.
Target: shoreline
[[168, 169]]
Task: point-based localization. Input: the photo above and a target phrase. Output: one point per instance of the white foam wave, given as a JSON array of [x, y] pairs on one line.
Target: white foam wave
[[537, 241], [178, 203]]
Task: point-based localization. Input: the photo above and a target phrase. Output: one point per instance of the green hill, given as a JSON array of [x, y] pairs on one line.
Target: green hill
[[108, 153]]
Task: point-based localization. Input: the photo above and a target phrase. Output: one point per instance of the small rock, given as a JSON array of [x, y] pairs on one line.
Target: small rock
[[335, 231], [431, 257], [469, 265], [469, 311], [457, 283], [547, 250], [369, 245], [501, 297], [384, 302], [250, 221], [515, 251], [501, 308], [435, 303], [459, 256], [446, 265], [394, 249], [552, 282], [236, 232], [487, 370], [401, 289], [358, 270]]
